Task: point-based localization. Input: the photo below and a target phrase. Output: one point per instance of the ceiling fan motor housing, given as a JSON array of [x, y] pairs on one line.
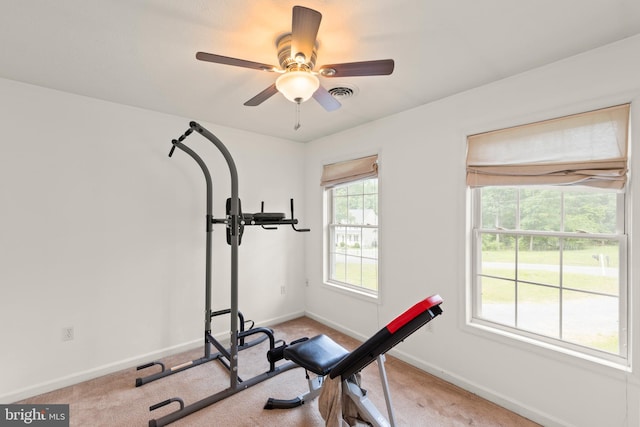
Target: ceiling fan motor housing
[[285, 59]]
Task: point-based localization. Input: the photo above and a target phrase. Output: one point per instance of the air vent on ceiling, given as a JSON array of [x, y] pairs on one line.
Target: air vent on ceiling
[[343, 92]]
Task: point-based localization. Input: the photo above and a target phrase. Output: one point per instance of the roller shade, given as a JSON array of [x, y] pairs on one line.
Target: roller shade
[[583, 149], [350, 170]]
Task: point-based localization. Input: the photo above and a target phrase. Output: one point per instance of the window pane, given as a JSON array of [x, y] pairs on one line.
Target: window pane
[[337, 267], [370, 243], [498, 300], [539, 309], [592, 265], [356, 188], [354, 270], [356, 215], [353, 234], [499, 207], [370, 213], [540, 210], [354, 237], [339, 239], [340, 191], [340, 210], [591, 320], [370, 186], [538, 279], [539, 260], [370, 274], [498, 256], [589, 212]]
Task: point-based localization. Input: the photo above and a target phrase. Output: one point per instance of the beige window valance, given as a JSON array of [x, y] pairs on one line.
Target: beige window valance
[[582, 149], [350, 170]]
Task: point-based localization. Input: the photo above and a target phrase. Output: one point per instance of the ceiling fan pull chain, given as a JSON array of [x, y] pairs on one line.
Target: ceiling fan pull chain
[[297, 125]]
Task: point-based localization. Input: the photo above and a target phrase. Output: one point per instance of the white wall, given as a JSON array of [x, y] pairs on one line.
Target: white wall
[[423, 236], [101, 231]]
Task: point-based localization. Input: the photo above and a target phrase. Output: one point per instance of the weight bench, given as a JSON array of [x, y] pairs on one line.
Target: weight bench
[[323, 356]]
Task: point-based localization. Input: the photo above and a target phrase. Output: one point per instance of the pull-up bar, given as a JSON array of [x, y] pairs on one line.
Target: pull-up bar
[[235, 222]]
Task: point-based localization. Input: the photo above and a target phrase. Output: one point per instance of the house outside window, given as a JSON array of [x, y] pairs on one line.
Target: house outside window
[[549, 249]]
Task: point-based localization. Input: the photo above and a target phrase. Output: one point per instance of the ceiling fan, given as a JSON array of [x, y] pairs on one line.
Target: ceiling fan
[[297, 56]]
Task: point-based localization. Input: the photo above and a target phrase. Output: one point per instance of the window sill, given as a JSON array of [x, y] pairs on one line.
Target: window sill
[[353, 292]]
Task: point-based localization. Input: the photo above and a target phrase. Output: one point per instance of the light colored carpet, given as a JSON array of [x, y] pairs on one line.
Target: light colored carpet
[[419, 399]]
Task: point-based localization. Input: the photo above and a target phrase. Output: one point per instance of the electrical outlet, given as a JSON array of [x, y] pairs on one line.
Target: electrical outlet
[[283, 290], [67, 333]]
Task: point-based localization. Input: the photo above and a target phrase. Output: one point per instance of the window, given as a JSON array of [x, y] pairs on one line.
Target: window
[[352, 224], [353, 235], [549, 262]]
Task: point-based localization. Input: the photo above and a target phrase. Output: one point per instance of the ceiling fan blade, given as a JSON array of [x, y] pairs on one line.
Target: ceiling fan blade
[[262, 96], [304, 30], [325, 99], [382, 67], [219, 59]]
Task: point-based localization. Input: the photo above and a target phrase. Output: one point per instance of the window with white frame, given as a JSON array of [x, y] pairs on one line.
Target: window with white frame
[[549, 243], [352, 224]]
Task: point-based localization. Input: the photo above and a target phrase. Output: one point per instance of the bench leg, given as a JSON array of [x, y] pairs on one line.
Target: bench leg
[[315, 386], [366, 408], [385, 388]]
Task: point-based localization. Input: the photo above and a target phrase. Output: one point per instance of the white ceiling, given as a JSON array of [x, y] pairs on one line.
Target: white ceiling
[[142, 52]]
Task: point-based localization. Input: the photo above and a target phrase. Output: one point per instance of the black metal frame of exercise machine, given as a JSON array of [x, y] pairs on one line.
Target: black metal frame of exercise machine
[[235, 222]]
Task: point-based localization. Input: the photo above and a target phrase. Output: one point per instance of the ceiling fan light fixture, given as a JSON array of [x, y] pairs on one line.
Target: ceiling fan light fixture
[[297, 86]]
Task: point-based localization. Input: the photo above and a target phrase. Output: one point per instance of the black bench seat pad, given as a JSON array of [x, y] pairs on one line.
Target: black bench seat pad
[[318, 354]]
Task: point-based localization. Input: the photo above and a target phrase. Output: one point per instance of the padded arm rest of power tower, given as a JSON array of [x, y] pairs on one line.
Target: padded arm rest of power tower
[[268, 216], [388, 337]]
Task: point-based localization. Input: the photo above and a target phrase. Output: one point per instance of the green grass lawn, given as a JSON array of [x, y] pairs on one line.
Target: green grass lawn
[[531, 280], [583, 257], [495, 290], [365, 275]]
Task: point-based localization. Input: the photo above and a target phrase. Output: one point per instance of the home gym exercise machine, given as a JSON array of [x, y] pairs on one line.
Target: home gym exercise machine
[[240, 338], [333, 365]]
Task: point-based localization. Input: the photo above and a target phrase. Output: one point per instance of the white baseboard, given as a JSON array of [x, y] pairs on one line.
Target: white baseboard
[[512, 405], [337, 327], [96, 372], [280, 319], [89, 374]]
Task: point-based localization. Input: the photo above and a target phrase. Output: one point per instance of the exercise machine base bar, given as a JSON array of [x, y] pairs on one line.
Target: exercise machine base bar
[[210, 400], [209, 341]]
